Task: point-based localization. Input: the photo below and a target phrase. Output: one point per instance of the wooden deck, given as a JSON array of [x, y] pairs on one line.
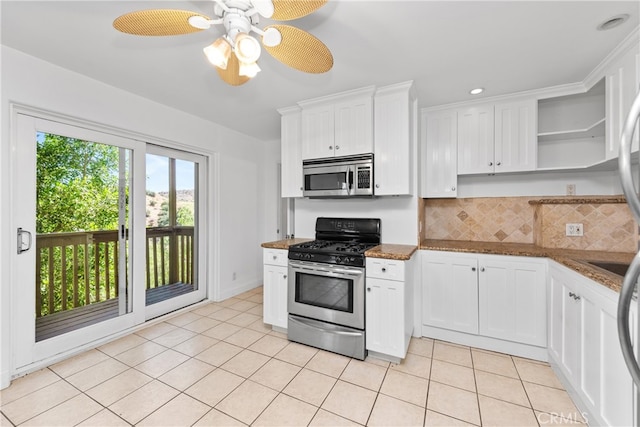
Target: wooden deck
[[70, 320]]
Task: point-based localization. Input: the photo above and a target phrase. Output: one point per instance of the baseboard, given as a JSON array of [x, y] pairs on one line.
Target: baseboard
[[239, 288], [487, 343], [584, 409]]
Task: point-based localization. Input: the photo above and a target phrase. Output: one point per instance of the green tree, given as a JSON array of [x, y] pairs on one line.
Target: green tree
[[77, 185], [185, 216]]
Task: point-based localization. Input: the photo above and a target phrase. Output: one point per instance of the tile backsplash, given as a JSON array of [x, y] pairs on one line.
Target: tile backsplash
[[607, 226]]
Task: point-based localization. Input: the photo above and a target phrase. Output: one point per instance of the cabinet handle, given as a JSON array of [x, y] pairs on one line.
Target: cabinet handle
[[384, 270], [301, 189], [482, 269], [377, 185], [490, 163], [275, 257], [498, 164], [453, 188], [284, 277], [337, 147], [368, 289], [331, 147], [473, 269]]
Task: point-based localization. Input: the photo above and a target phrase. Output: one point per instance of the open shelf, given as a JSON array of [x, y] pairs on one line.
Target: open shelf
[[595, 130]]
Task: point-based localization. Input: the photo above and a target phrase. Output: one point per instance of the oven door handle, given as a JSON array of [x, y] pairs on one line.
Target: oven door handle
[[310, 324], [314, 269]]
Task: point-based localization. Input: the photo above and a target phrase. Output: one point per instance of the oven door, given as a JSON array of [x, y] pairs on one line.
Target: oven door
[[327, 292]]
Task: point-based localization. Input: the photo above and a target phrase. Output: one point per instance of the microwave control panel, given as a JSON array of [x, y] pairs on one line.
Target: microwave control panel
[[364, 177]]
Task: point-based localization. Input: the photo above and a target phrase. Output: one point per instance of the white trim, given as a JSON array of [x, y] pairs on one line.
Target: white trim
[[214, 228], [630, 42]]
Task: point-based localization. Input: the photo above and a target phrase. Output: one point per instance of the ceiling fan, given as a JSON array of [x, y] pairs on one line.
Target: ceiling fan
[[235, 53]]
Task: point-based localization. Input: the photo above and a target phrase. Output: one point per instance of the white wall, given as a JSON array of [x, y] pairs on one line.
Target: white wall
[[29, 81], [540, 184]]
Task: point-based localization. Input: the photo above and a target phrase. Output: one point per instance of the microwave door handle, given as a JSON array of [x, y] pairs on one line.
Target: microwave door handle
[[350, 179]]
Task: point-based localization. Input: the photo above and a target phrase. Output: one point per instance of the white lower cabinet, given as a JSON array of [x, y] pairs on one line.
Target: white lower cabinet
[[275, 270], [450, 291], [513, 300], [584, 347], [492, 301], [389, 307]]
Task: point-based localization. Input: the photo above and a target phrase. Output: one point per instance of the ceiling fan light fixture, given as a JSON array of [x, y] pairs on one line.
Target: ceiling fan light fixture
[[247, 48], [248, 70], [218, 53]]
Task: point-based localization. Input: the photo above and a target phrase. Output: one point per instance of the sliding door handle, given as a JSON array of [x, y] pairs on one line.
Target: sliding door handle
[[22, 246]]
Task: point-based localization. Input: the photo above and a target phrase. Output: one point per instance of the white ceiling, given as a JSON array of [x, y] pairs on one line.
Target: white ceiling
[[446, 47]]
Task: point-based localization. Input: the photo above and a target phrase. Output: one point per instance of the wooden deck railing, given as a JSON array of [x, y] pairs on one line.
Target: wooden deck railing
[[78, 269]]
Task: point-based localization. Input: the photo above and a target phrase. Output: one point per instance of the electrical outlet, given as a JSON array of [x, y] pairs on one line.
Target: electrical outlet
[[574, 230], [571, 190]]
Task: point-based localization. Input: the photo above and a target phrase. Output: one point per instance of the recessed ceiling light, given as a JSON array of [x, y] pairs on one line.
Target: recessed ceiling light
[[476, 91], [613, 22]]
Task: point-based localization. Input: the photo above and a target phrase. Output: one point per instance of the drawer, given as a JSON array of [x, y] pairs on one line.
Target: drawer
[[275, 257], [385, 269]]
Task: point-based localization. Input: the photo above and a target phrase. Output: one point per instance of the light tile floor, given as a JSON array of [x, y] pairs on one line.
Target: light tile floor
[[219, 365]]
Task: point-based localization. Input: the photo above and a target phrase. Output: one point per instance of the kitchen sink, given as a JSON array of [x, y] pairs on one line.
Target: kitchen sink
[[619, 268]]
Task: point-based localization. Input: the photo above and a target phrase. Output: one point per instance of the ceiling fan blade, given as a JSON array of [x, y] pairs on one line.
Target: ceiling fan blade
[[157, 22], [300, 50], [286, 10], [231, 74]]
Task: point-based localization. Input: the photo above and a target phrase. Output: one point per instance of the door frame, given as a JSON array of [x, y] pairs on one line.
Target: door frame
[[8, 368]]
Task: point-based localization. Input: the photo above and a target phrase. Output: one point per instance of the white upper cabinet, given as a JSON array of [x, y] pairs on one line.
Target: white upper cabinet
[[290, 155], [475, 140], [339, 125], [395, 132], [353, 126], [497, 138], [622, 83], [515, 132], [439, 148], [318, 132]]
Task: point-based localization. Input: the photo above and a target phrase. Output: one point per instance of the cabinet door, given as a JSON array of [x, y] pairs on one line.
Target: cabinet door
[[393, 130], [475, 140], [513, 301], [317, 132], [622, 84], [385, 316], [290, 155], [354, 126], [516, 143], [275, 295], [450, 292], [440, 154]]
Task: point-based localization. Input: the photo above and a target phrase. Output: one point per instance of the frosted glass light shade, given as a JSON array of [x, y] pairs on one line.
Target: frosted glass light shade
[[247, 48], [248, 70], [218, 53]]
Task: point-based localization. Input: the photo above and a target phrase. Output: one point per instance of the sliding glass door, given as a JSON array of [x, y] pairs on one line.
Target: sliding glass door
[[109, 233]]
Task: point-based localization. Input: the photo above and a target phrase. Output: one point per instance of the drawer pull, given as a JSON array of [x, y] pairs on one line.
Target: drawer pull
[[473, 269], [384, 270], [275, 257], [482, 269]]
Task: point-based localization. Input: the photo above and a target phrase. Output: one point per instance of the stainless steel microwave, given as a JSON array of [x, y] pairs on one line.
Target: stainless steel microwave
[[349, 176]]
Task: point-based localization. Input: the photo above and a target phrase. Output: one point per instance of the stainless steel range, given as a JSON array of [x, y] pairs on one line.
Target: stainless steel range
[[326, 288]]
